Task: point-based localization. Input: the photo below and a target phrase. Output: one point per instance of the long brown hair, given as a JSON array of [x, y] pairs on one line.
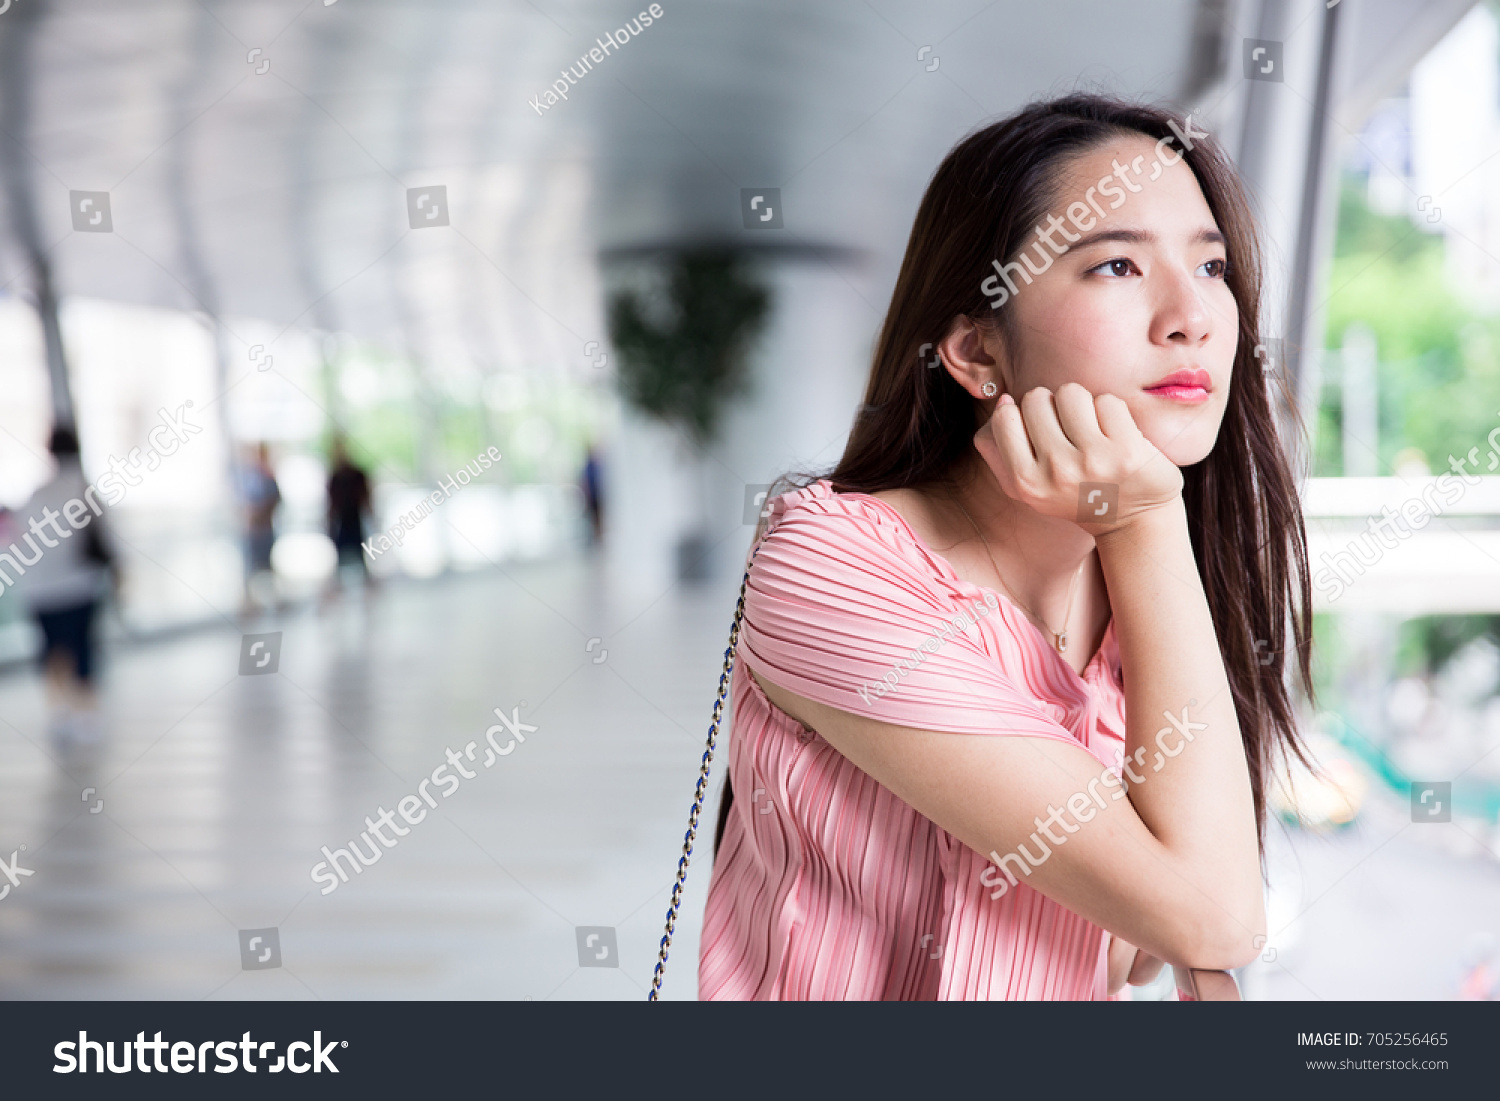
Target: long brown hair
[[917, 423]]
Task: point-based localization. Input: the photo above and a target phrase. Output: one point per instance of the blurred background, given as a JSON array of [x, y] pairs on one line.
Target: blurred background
[[432, 381]]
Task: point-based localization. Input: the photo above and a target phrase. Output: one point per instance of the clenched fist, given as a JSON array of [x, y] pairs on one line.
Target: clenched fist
[[1045, 449]]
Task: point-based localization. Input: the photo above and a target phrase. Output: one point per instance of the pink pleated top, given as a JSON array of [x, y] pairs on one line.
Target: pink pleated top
[[828, 886]]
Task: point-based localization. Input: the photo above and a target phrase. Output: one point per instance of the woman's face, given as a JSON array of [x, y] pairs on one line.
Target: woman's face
[[1137, 305]]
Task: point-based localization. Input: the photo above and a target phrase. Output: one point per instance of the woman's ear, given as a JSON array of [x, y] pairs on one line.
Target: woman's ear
[[967, 354]]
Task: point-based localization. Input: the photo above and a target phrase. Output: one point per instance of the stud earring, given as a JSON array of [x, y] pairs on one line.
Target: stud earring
[[989, 389]]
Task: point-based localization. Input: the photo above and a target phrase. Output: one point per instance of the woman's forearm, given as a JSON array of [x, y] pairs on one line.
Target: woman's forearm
[[1193, 795]]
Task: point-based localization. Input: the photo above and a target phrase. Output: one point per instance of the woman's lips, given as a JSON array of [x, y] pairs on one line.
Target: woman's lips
[[1189, 395], [1189, 387]]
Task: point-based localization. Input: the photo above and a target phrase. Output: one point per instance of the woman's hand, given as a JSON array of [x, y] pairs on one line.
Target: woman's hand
[[1043, 450], [1128, 964]]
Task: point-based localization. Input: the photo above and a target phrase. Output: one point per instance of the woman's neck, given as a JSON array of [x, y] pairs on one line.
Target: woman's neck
[[1038, 557]]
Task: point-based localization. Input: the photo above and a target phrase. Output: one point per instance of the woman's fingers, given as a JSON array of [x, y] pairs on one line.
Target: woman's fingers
[[1121, 955], [1078, 417], [1040, 415], [1043, 448], [1005, 446], [1145, 969], [1129, 964], [1114, 419]]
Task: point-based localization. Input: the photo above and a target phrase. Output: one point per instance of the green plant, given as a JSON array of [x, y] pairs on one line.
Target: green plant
[[1427, 643], [682, 360], [1439, 369]]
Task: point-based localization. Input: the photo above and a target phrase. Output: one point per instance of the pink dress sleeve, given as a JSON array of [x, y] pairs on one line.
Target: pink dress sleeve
[[845, 608]]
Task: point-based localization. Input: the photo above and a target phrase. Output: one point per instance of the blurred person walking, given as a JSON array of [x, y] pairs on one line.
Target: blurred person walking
[[63, 586], [593, 495], [348, 507], [259, 497], [8, 529]]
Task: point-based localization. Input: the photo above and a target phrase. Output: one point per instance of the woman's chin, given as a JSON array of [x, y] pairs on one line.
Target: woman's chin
[[1179, 449], [1183, 440]]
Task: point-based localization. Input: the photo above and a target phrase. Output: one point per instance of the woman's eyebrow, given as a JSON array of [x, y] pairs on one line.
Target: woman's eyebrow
[[1205, 236]]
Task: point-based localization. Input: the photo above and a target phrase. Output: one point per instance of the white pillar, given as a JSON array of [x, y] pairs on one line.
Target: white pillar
[[808, 371], [1358, 359]]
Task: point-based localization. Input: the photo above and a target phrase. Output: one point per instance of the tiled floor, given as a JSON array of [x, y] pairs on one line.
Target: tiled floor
[[1385, 909], [219, 791]]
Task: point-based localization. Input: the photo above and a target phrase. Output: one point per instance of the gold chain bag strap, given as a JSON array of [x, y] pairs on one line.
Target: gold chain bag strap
[[702, 789]]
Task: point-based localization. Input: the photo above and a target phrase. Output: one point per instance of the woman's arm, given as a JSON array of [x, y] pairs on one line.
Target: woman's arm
[[1173, 867], [994, 793], [1199, 807]]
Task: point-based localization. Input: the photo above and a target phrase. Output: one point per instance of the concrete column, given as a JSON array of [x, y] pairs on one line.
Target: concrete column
[[1284, 150], [17, 164], [808, 371], [1358, 360]]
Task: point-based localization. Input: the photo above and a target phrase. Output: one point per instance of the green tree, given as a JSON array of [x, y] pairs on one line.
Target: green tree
[[684, 367], [1438, 375]]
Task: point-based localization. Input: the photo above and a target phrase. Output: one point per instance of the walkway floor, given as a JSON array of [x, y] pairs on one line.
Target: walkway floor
[[219, 790]]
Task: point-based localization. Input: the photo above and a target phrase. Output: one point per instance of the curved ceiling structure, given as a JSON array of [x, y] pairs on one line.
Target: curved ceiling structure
[[257, 154]]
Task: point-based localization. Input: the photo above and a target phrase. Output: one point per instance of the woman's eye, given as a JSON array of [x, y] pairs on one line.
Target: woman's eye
[[1217, 269], [1116, 267]]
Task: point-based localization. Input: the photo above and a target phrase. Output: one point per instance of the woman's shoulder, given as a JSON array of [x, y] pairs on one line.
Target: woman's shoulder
[[869, 532], [818, 506]]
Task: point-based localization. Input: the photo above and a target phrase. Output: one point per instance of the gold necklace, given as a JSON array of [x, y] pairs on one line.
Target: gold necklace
[[1059, 638]]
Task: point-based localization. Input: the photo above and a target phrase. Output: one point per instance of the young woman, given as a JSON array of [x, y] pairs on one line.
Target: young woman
[[1011, 677]]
